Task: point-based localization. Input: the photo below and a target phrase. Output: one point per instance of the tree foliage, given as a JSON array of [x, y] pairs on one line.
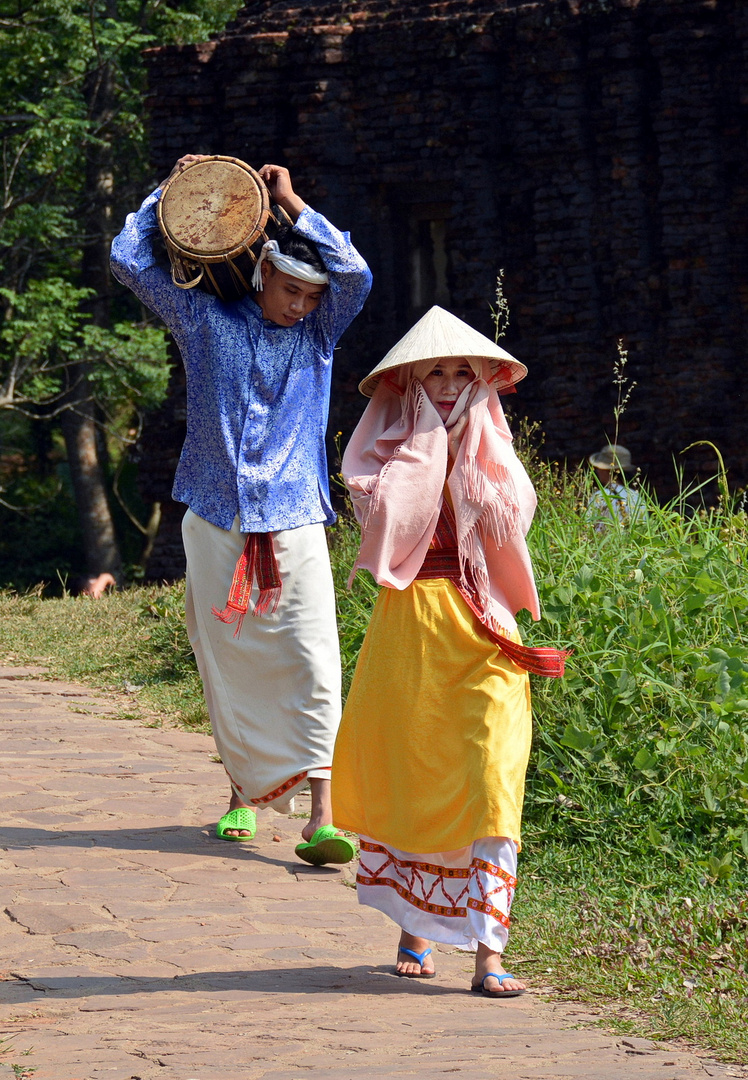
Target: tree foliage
[[74, 156]]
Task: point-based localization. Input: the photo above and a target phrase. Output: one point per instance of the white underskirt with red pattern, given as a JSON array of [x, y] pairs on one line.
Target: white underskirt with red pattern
[[456, 897]]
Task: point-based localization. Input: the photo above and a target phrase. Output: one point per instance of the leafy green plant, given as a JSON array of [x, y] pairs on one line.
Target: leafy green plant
[[642, 748]]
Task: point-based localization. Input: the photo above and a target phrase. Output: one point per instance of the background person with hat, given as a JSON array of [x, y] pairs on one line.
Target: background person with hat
[[432, 751], [253, 473], [615, 500]]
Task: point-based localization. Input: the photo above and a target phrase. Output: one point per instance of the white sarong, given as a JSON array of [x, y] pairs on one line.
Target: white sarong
[[273, 693]]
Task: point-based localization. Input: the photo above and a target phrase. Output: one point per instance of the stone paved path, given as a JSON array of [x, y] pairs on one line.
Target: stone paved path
[[137, 946]]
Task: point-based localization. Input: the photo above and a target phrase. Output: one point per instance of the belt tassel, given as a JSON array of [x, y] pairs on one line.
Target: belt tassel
[[257, 561]]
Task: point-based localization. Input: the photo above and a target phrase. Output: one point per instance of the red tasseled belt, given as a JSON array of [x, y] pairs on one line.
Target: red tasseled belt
[[257, 561], [442, 561]]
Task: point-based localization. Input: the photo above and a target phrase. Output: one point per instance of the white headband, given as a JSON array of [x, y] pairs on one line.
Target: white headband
[[294, 267]]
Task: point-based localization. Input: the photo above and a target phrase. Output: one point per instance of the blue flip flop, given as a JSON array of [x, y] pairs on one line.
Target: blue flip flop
[[240, 818], [326, 846], [419, 958], [481, 987]]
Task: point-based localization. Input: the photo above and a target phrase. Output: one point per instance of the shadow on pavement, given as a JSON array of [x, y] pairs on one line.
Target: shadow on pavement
[[181, 839], [276, 980]]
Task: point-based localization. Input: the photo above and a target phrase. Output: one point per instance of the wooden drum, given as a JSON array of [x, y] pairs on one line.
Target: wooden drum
[[214, 216]]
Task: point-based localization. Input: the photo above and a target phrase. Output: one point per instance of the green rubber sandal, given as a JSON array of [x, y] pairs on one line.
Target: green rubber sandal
[[327, 846], [241, 818]]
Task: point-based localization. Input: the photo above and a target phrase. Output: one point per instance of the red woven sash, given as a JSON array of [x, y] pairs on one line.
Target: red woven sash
[[442, 561], [257, 561]]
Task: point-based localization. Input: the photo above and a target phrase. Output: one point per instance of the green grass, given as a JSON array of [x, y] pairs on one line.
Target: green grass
[[635, 862], [666, 959], [133, 642], [21, 1072]]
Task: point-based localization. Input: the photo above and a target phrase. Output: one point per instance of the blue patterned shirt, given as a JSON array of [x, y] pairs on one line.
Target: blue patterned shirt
[[257, 393]]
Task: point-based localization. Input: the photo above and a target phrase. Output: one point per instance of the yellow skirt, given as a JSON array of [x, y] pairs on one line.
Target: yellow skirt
[[432, 750]]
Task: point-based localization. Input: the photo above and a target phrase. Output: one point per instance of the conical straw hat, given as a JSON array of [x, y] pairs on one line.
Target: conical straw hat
[[438, 335]]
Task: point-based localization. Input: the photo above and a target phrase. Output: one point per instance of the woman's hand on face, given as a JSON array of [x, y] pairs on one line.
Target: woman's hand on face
[[454, 435], [457, 430]]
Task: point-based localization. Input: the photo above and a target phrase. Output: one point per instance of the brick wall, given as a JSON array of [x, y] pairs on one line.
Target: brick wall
[[595, 151]]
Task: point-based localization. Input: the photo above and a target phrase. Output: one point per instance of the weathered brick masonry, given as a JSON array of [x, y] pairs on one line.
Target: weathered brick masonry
[[594, 150]]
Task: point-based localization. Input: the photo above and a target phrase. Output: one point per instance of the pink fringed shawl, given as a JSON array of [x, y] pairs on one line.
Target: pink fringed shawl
[[395, 468]]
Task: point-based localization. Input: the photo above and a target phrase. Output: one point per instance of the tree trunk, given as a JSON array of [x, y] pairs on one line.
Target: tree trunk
[[79, 429], [79, 420]]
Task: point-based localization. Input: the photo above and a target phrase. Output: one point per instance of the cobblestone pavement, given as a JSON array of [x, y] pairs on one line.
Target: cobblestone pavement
[[138, 946]]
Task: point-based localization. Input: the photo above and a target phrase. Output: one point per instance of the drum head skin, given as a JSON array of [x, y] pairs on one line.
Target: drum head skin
[[214, 207]]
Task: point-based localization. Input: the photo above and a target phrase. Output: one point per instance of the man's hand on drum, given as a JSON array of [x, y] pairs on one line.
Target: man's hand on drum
[[182, 164], [281, 190]]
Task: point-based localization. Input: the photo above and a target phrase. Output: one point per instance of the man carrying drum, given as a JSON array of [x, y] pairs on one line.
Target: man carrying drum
[[253, 474]]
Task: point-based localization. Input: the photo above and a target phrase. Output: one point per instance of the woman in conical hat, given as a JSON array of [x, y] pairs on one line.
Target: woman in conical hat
[[431, 755]]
